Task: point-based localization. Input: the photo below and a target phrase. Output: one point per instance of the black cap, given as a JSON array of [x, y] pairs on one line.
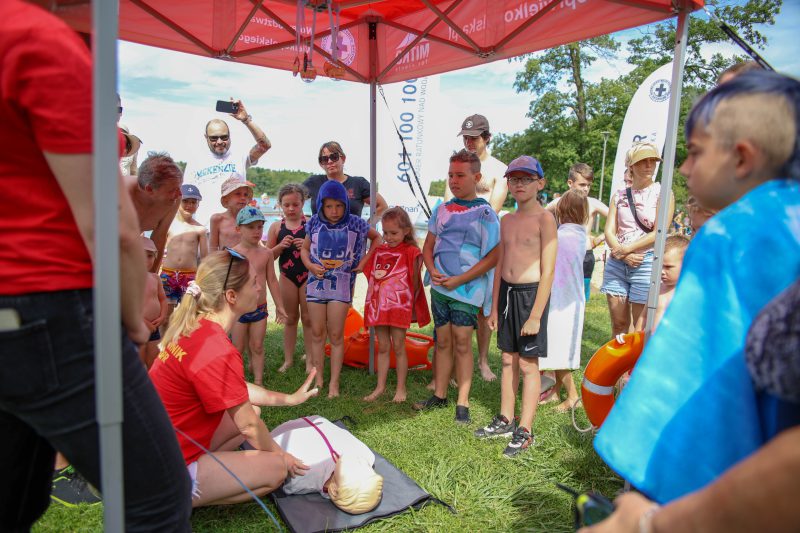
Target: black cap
[[474, 125]]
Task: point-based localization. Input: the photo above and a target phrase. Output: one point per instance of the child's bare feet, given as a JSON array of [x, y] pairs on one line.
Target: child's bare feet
[[486, 373], [431, 385], [286, 366], [566, 405], [399, 396], [374, 395], [333, 390]]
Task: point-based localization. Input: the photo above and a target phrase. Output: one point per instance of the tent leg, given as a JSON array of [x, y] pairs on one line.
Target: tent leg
[[373, 153], [107, 332], [668, 168]]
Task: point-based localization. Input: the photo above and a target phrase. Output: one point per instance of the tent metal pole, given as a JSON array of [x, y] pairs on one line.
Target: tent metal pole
[[373, 151], [668, 168], [107, 325]]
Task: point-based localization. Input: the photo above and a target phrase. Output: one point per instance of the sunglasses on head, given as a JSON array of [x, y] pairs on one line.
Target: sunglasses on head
[[234, 255], [215, 138], [333, 158]]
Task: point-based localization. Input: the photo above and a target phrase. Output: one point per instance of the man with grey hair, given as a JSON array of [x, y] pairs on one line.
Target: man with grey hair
[[209, 169], [156, 195]]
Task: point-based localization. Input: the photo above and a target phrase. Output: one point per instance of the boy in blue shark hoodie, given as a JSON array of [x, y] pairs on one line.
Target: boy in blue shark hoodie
[[692, 409], [333, 252], [460, 253]]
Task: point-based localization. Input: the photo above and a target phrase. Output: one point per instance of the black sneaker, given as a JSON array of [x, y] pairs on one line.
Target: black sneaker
[[433, 402], [521, 440], [498, 427], [462, 415], [69, 488]]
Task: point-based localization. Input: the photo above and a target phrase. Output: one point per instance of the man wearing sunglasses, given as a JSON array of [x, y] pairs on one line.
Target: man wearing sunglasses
[[209, 168], [492, 187]]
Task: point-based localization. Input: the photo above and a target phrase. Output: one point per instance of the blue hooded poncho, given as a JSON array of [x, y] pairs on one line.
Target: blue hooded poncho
[[338, 246]]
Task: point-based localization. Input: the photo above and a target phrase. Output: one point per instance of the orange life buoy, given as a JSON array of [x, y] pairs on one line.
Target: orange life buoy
[[356, 345], [606, 366]]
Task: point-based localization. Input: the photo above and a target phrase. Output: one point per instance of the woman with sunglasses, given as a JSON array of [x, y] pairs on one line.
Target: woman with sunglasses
[[200, 378], [331, 159]]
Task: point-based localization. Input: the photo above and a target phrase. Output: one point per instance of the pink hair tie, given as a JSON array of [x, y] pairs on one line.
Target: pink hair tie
[[194, 290]]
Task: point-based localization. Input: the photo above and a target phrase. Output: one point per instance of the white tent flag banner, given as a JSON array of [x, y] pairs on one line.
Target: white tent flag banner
[[645, 120], [413, 106]]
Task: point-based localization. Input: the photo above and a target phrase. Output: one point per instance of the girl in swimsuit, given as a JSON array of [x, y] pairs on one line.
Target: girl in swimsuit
[[285, 239]]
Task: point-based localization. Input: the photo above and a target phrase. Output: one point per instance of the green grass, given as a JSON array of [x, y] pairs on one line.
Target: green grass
[[488, 491]]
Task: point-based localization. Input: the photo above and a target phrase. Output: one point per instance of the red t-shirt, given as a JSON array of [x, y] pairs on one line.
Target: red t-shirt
[[45, 105], [198, 378]]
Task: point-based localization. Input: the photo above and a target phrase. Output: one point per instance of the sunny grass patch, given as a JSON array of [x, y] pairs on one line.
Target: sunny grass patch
[[488, 491]]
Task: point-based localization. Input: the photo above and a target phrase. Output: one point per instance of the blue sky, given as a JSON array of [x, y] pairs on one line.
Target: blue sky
[[168, 97]]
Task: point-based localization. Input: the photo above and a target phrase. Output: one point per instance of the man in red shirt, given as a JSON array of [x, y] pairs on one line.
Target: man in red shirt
[[47, 390]]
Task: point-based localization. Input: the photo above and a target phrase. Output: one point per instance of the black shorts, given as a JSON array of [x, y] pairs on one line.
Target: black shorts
[[588, 264], [514, 309]]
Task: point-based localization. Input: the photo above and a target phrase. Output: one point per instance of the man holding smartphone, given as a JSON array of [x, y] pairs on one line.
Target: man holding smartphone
[[47, 381], [209, 169]]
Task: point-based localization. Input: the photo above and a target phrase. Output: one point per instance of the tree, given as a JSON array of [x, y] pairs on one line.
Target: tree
[[657, 44], [569, 113], [269, 181]]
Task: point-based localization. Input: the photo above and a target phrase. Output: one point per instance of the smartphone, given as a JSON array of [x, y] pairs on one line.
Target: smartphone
[[9, 320], [226, 106]]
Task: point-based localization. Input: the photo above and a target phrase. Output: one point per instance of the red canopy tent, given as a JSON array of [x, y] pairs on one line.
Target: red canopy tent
[[379, 41], [412, 38]]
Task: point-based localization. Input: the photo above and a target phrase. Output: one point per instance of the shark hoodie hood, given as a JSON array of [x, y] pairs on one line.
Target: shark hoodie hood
[[336, 191]]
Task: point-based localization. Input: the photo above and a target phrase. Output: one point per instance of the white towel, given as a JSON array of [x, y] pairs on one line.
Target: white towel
[[567, 302]]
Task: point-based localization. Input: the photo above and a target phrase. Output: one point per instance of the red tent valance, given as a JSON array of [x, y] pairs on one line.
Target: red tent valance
[[412, 38]]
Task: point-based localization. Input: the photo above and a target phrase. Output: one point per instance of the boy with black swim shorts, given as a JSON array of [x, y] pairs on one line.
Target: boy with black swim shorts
[[522, 281]]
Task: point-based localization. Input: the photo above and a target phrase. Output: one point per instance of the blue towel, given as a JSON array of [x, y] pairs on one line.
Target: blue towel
[[689, 412]]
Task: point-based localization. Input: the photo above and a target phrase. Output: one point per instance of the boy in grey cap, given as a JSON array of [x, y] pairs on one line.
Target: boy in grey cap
[[187, 244]]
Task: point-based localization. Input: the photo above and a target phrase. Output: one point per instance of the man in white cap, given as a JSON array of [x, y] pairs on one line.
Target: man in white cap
[[492, 188], [207, 170]]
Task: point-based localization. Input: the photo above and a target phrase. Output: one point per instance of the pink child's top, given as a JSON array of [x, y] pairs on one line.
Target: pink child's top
[[646, 201]]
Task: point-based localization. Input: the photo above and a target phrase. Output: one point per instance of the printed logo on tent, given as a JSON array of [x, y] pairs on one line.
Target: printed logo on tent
[[659, 90], [346, 44], [415, 57]]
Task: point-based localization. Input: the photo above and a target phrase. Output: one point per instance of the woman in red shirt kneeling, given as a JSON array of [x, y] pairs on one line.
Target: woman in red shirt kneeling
[[200, 378]]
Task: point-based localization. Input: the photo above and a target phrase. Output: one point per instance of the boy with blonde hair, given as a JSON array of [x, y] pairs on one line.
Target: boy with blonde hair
[[236, 195], [459, 253], [674, 250], [251, 328], [744, 160], [526, 261]]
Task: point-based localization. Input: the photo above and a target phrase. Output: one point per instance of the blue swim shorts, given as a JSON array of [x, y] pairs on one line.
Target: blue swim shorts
[[255, 316]]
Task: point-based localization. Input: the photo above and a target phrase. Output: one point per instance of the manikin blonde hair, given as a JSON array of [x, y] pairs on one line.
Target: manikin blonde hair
[[355, 487]]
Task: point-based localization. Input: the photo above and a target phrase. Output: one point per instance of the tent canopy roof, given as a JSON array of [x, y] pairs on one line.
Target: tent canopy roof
[[412, 38]]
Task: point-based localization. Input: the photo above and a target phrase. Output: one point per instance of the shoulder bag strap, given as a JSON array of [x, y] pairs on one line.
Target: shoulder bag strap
[[629, 194]]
